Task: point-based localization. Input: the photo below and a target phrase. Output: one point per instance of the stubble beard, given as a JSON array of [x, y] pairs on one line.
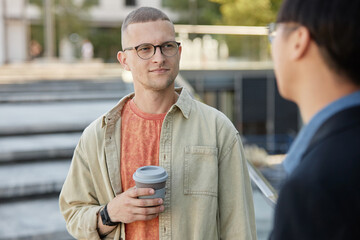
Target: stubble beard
[[161, 86]]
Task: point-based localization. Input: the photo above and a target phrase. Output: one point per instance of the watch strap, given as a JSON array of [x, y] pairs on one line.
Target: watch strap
[[105, 218]]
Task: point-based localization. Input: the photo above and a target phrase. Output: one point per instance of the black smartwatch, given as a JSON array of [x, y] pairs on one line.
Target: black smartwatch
[[105, 218]]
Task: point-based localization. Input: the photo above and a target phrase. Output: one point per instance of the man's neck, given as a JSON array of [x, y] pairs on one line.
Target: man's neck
[[155, 102], [315, 99]]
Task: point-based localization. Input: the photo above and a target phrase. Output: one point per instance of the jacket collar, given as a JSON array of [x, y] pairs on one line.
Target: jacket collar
[[345, 119], [183, 103]]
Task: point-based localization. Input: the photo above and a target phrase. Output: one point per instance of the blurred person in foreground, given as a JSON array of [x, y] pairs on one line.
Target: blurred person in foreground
[[208, 192], [316, 52]]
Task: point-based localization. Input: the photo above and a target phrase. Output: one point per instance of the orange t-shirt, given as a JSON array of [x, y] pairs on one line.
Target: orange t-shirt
[[140, 138]]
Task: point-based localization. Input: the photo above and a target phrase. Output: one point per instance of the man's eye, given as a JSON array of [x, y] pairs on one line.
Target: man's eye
[[168, 45], [144, 49]]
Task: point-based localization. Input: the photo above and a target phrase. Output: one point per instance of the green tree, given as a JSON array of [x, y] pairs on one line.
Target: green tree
[[106, 41], [248, 12], [69, 17], [228, 12], [202, 12], [232, 12]]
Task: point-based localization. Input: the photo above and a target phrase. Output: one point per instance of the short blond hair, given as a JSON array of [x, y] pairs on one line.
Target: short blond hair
[[144, 14]]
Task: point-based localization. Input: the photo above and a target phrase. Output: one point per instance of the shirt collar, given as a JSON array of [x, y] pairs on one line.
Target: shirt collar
[[183, 103]]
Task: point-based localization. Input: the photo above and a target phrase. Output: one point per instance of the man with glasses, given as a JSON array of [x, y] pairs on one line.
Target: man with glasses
[[208, 191], [315, 48]]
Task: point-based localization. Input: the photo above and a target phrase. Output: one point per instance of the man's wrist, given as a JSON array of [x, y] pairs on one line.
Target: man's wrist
[[105, 218], [102, 229]]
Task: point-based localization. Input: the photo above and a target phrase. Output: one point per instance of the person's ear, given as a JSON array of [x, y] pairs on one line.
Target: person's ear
[[300, 42], [122, 58]]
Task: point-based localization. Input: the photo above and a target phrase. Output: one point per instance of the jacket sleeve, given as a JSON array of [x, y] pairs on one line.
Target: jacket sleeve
[[236, 207], [78, 201]]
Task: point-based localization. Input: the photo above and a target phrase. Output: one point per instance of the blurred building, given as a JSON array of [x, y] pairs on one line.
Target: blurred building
[[16, 17], [112, 12], [13, 31]]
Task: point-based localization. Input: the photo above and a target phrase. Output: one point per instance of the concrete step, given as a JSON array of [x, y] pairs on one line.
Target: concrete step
[[20, 119], [64, 90], [37, 147], [35, 97], [32, 219], [64, 86], [55, 70], [37, 178]]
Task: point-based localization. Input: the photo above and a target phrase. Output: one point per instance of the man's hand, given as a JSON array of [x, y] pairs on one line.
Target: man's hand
[[127, 208]]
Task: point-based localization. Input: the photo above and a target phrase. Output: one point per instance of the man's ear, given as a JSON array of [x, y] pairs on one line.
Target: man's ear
[[300, 42], [121, 57]]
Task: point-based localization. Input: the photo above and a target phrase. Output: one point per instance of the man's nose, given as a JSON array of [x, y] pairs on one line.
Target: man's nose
[[158, 56]]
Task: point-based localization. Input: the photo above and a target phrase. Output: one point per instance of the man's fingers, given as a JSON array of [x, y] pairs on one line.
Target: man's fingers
[[148, 202], [136, 192], [148, 210], [127, 207]]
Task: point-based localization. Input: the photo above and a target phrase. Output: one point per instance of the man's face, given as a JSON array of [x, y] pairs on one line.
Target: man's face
[[159, 72]]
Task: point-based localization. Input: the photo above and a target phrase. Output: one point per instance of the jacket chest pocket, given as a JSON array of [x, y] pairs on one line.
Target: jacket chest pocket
[[201, 170]]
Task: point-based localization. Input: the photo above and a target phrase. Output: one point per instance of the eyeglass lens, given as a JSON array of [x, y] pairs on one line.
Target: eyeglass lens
[[146, 51]]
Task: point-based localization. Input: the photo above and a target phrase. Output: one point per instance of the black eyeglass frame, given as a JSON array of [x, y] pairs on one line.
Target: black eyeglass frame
[[154, 46]]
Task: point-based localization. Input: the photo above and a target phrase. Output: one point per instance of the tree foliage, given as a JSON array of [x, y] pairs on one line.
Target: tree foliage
[[248, 12], [206, 12], [70, 16], [228, 12], [106, 42], [236, 13]]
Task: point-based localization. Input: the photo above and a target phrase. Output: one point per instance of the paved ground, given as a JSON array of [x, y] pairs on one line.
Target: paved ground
[[22, 222], [263, 215]]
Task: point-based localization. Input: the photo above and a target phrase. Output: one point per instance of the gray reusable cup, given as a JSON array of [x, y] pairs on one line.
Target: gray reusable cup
[[151, 177]]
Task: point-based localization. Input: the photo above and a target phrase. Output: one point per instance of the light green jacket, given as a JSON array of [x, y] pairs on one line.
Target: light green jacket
[[208, 192]]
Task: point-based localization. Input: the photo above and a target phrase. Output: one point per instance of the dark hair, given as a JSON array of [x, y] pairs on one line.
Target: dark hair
[[144, 14], [334, 26]]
